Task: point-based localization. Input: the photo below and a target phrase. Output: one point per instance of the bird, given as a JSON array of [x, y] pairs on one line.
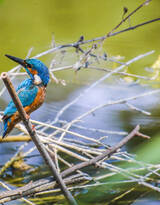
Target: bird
[[31, 92]]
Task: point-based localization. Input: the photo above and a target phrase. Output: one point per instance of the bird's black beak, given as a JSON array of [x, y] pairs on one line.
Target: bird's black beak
[[17, 60]]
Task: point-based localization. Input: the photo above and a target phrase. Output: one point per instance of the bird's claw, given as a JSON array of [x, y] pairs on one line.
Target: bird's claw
[[33, 128]]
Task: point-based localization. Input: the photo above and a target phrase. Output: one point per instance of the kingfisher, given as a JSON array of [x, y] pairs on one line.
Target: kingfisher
[[31, 92]]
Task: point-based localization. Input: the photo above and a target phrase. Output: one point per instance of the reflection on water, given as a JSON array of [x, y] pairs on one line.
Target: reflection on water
[[146, 202]]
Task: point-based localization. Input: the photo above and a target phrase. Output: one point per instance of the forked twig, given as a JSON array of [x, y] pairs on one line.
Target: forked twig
[[105, 155], [63, 109]]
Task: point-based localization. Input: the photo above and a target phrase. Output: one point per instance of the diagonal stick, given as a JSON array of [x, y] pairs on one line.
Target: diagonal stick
[[35, 138]]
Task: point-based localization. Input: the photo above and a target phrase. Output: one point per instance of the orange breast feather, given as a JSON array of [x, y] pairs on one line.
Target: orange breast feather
[[38, 101]]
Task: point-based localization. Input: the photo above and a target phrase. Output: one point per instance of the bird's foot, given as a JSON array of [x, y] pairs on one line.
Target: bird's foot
[[33, 128]]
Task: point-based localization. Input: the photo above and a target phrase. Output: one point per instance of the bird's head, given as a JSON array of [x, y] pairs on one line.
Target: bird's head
[[37, 71]]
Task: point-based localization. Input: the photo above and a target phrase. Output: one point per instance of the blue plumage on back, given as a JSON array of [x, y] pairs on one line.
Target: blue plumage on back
[[26, 93]]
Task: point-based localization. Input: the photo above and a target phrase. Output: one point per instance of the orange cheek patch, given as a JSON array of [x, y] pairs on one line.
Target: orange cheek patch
[[34, 72]]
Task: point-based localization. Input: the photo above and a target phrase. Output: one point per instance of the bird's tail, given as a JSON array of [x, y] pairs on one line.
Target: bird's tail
[[5, 127], [1, 128]]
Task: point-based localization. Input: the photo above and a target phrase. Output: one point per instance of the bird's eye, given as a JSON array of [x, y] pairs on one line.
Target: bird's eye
[[29, 65]]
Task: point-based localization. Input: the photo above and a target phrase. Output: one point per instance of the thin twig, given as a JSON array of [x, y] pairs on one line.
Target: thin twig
[[133, 107], [63, 109], [106, 154], [22, 198], [39, 186], [128, 16]]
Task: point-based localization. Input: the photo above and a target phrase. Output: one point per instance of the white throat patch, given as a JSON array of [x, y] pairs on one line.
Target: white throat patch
[[37, 80]]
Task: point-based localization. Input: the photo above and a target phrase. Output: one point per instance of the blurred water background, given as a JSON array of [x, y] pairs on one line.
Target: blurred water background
[[33, 23]]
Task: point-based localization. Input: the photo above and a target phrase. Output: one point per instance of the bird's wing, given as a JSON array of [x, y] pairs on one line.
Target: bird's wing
[[24, 84], [26, 94]]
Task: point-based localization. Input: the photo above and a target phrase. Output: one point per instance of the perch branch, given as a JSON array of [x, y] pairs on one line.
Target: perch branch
[[35, 138]]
